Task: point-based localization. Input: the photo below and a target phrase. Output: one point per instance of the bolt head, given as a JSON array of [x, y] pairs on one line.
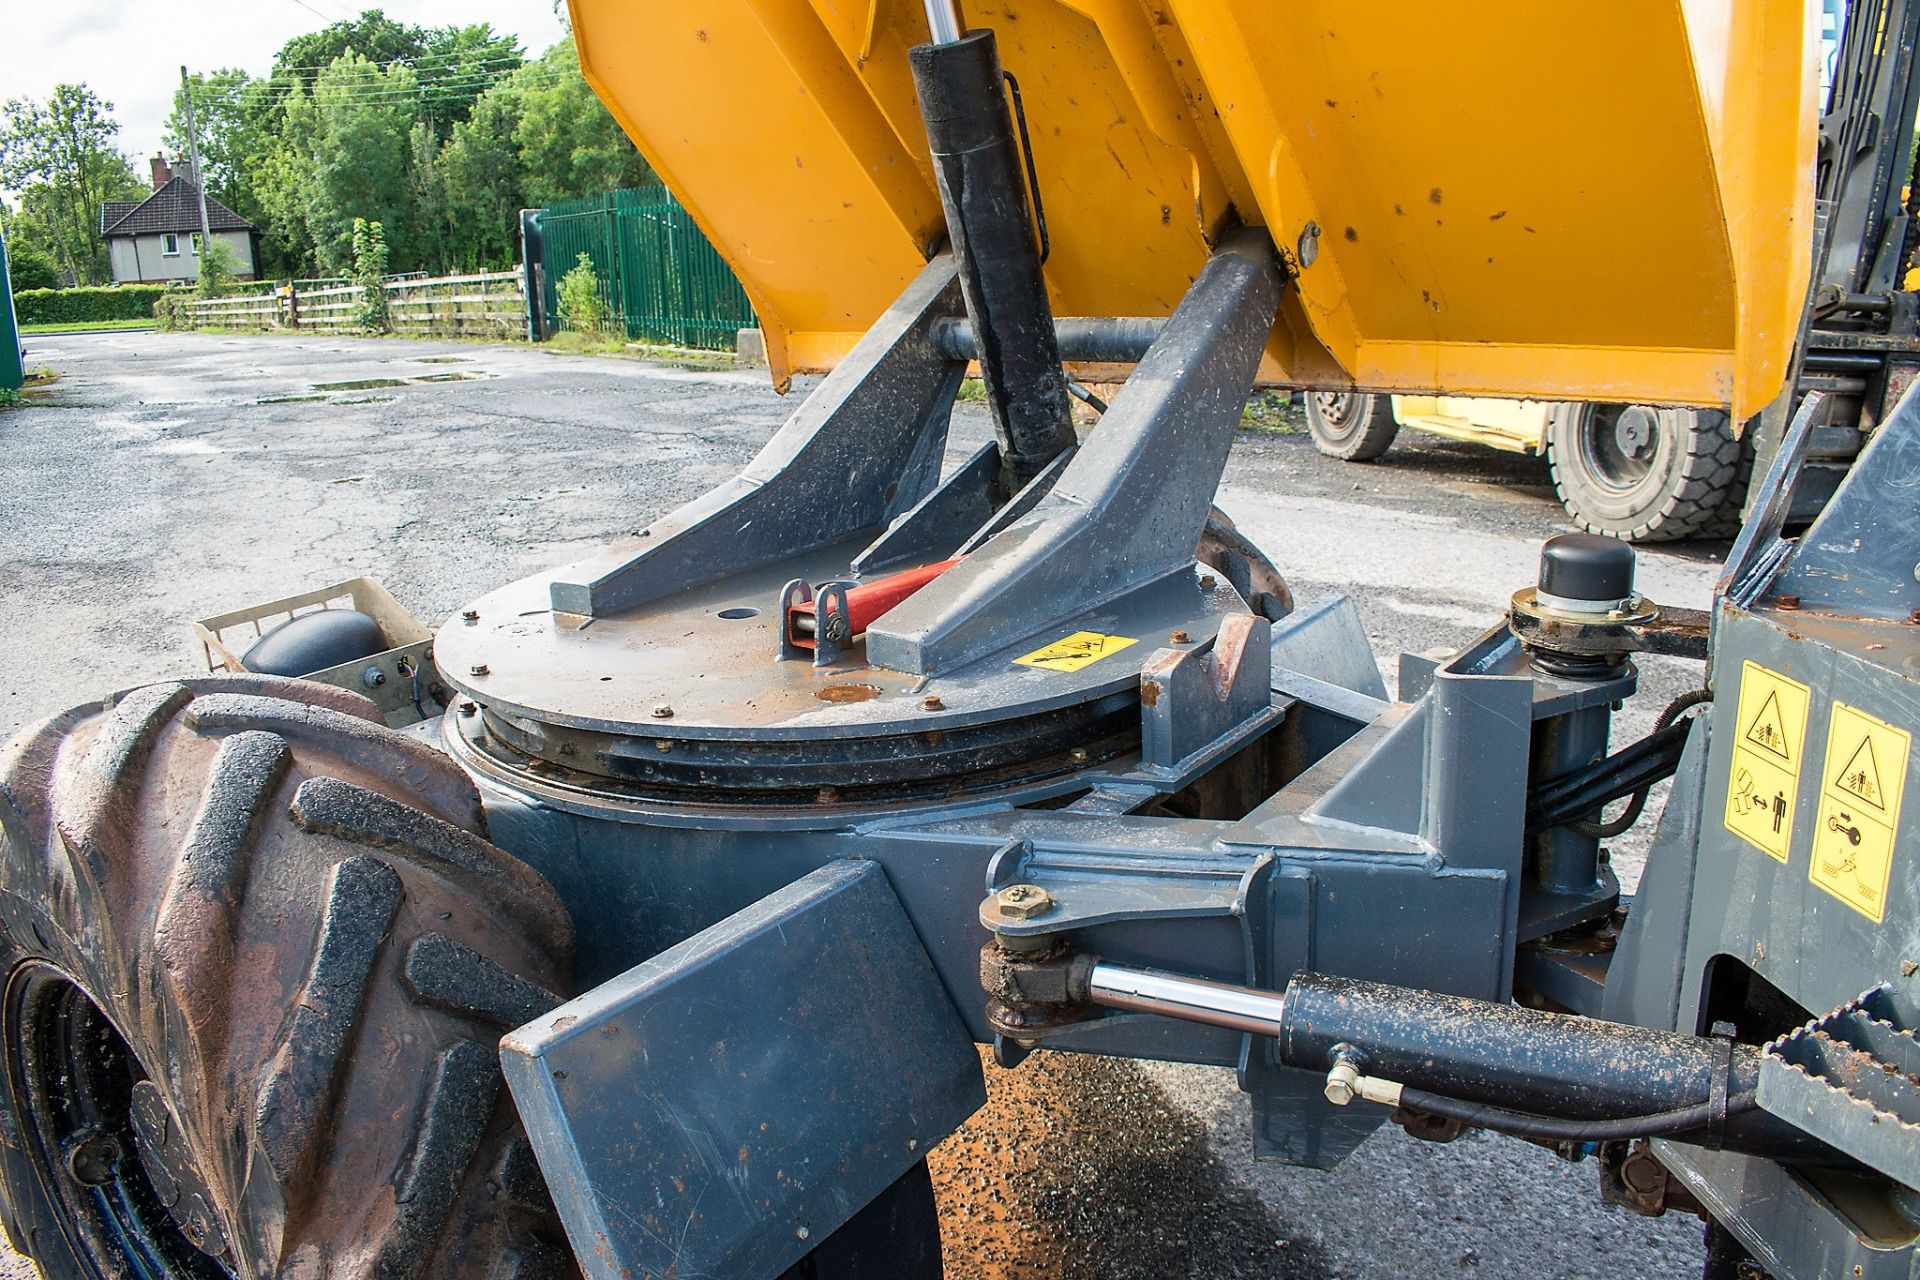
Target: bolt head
[[1023, 902], [467, 708], [1206, 582], [477, 669], [92, 1161], [663, 712], [1787, 602], [932, 702], [1177, 637], [1079, 755], [470, 615], [1308, 245]]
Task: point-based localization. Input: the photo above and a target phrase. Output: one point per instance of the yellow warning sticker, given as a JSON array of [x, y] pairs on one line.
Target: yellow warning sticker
[[1769, 741], [1860, 787], [1081, 649]]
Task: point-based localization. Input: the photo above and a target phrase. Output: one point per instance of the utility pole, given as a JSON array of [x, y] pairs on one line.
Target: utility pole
[[199, 178]]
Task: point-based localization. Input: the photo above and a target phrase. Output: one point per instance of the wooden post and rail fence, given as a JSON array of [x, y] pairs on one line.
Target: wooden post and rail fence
[[659, 279], [478, 304]]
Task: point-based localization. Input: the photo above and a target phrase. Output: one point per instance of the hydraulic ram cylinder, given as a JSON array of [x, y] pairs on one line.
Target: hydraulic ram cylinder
[[983, 188]]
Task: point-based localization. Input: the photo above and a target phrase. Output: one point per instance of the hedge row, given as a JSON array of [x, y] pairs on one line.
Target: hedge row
[[83, 306]]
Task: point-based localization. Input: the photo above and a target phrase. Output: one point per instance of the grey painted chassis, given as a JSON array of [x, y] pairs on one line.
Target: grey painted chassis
[[779, 1003]]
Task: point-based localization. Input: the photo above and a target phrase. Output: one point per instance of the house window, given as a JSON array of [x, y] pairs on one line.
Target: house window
[[196, 244], [170, 245]]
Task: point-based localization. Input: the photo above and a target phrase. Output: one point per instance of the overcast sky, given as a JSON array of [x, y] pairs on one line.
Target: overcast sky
[[130, 51]]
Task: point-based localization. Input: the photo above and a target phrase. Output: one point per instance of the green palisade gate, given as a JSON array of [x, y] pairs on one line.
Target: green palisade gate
[[661, 277], [12, 371]]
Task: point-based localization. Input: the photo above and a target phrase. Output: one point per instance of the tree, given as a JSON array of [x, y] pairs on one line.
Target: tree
[[64, 150], [480, 183], [373, 37], [30, 268], [458, 65], [359, 167], [229, 111], [569, 144], [369, 245]]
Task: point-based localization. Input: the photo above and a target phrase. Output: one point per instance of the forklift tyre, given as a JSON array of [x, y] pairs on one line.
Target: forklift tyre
[[1351, 425], [1644, 474], [258, 956]]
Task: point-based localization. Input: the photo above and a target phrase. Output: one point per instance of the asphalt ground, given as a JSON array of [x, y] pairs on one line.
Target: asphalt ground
[[168, 477]]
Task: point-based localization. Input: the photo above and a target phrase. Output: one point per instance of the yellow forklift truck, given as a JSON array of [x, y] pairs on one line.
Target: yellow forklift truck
[[1629, 471]]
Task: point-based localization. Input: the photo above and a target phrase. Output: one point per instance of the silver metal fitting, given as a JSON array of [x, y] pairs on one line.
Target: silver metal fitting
[[1343, 1082]]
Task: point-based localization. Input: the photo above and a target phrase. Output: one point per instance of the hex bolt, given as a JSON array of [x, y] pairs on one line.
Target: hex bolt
[[1079, 755], [373, 677], [663, 712], [467, 708], [1023, 901], [1913, 617], [801, 1233], [1178, 637], [932, 702], [470, 615], [1206, 582], [477, 669], [1787, 602], [827, 795]]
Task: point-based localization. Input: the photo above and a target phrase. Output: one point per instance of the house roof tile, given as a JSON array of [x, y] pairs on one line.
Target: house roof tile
[[174, 207]]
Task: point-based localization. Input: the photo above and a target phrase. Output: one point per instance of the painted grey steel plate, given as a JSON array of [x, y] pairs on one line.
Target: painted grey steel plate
[[722, 1108], [722, 676]]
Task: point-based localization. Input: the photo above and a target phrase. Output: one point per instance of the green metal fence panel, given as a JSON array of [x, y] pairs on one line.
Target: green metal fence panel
[[660, 277], [13, 373]]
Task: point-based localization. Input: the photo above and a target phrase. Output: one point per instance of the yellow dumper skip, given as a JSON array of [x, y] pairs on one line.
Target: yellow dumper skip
[[1600, 201]]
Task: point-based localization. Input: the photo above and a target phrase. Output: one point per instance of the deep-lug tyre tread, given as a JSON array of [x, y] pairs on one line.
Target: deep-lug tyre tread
[[292, 915]]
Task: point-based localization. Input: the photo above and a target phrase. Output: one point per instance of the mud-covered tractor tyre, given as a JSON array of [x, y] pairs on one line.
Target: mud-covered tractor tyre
[[257, 956]]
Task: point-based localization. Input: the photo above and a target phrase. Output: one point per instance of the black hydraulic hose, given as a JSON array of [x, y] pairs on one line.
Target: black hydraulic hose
[[1576, 794], [1661, 747], [1520, 1124]]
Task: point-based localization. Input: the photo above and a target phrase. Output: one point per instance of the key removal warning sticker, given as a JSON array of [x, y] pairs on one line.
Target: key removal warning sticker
[[1070, 653], [1769, 741], [1860, 786]]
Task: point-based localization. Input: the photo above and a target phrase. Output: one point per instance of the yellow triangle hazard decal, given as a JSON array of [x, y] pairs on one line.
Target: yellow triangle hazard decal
[[1860, 776], [1768, 729]]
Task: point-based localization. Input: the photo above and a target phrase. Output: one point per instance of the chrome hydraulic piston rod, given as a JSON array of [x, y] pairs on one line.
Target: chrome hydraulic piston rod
[[1497, 1065], [1218, 1004]]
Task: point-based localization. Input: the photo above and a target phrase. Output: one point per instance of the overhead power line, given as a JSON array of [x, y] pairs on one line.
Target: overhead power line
[[441, 89]]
